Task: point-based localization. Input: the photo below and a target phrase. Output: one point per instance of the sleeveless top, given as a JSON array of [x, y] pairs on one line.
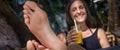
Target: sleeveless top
[[92, 42]]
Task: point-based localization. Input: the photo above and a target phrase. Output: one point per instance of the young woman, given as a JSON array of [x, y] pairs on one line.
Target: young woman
[[93, 35]]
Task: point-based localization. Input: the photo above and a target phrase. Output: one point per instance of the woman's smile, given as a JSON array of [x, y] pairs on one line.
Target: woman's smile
[[80, 16]]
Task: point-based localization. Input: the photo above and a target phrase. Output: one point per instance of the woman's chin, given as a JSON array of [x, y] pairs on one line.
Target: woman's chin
[[80, 21]]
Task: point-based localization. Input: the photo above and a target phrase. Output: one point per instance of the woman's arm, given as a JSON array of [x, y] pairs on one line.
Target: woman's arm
[[103, 38]]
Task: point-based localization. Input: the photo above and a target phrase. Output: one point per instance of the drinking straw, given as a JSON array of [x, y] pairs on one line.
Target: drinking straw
[[76, 28]]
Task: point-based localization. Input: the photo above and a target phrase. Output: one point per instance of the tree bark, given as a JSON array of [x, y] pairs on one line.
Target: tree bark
[[112, 15]]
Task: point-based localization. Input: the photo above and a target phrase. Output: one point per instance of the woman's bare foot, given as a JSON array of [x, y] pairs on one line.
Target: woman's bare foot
[[62, 37], [35, 18], [37, 21]]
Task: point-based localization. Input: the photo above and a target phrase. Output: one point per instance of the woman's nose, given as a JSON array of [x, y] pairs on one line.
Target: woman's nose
[[78, 11]]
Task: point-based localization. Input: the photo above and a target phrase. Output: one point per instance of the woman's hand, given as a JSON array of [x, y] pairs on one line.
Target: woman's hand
[[72, 36]]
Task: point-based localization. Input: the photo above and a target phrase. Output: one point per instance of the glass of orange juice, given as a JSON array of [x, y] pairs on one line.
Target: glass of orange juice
[[79, 41], [79, 31]]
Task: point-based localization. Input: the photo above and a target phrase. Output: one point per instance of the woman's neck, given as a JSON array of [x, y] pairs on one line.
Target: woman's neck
[[82, 26]]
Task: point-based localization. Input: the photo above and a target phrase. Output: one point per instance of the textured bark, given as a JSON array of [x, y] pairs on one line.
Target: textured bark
[[112, 15]]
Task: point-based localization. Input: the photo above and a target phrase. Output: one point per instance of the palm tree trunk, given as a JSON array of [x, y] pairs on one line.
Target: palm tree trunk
[[115, 8], [112, 15]]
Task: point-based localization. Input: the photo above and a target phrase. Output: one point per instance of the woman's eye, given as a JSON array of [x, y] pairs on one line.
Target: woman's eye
[[73, 9], [81, 7]]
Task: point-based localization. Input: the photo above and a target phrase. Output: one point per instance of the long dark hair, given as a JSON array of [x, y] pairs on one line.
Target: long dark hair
[[91, 21]]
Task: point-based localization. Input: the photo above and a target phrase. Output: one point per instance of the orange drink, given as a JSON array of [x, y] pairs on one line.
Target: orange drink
[[79, 31], [79, 41]]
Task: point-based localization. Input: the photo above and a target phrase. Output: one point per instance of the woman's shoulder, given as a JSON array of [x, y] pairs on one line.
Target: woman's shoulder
[[99, 29], [101, 32]]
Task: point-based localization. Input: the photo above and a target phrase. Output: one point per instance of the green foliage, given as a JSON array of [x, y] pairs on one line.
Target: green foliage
[[103, 18], [8, 1]]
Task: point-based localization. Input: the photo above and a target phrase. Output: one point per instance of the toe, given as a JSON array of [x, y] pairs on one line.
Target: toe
[[26, 20], [32, 5], [25, 11]]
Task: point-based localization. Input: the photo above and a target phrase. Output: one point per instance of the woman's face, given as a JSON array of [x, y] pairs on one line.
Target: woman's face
[[78, 11]]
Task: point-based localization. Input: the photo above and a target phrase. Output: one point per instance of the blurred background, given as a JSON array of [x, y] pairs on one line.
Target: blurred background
[[107, 10]]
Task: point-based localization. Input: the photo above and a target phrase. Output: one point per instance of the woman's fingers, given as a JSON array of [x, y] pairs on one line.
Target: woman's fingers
[[38, 46], [30, 45], [71, 31], [72, 36], [35, 43], [72, 39]]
